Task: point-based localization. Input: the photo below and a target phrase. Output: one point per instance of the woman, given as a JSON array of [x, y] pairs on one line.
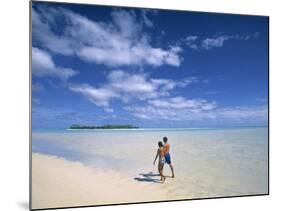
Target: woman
[[161, 154]]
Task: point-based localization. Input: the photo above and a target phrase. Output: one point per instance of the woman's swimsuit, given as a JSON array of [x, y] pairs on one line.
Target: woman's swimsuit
[[162, 160]]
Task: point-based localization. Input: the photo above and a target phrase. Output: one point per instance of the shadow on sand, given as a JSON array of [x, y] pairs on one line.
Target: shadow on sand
[[148, 177]]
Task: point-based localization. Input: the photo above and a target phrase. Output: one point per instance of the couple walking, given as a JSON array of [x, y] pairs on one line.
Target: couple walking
[[164, 157]]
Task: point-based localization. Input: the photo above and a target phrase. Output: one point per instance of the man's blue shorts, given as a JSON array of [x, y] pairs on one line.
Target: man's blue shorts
[[168, 158]]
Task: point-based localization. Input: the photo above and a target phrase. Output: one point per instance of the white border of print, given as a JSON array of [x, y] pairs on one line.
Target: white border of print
[[15, 103]]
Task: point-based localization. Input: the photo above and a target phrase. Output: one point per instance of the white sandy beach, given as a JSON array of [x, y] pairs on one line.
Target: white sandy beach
[[57, 182]]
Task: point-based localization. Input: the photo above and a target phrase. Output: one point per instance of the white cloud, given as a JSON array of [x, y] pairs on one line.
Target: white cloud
[[130, 83], [120, 42], [193, 41], [141, 86], [190, 41], [127, 86], [99, 96], [124, 22], [242, 113], [109, 110], [41, 31], [182, 103], [43, 65], [181, 109], [218, 41], [191, 38], [146, 20], [209, 43], [187, 81]]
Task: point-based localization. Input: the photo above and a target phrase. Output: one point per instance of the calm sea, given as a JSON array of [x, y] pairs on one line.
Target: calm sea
[[207, 162]]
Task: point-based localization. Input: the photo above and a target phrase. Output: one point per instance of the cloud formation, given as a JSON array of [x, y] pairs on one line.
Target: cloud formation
[[190, 41], [218, 41], [182, 103], [99, 96], [127, 86], [43, 65], [172, 108], [182, 109], [209, 43], [120, 42]]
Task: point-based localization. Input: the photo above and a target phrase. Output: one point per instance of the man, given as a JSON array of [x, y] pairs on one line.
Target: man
[[167, 155]]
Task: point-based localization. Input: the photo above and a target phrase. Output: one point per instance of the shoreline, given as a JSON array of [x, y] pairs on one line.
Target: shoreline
[[153, 129]]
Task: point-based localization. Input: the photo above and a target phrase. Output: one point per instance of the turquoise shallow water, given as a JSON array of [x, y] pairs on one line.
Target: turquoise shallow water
[[207, 162]]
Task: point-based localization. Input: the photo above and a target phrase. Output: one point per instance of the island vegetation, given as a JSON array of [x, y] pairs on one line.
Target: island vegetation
[[126, 126]]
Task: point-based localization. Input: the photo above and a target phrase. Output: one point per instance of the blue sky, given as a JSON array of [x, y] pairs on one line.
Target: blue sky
[[151, 68]]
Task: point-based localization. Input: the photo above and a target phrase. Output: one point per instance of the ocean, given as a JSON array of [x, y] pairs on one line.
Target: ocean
[[208, 162]]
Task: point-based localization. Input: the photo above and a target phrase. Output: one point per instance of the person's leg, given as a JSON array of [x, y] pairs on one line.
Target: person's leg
[[168, 160], [160, 170], [172, 170], [161, 173]]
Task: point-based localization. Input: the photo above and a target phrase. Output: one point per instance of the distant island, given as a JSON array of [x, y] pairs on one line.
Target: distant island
[[76, 126]]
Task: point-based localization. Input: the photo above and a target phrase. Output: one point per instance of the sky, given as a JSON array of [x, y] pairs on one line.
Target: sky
[[96, 65]]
